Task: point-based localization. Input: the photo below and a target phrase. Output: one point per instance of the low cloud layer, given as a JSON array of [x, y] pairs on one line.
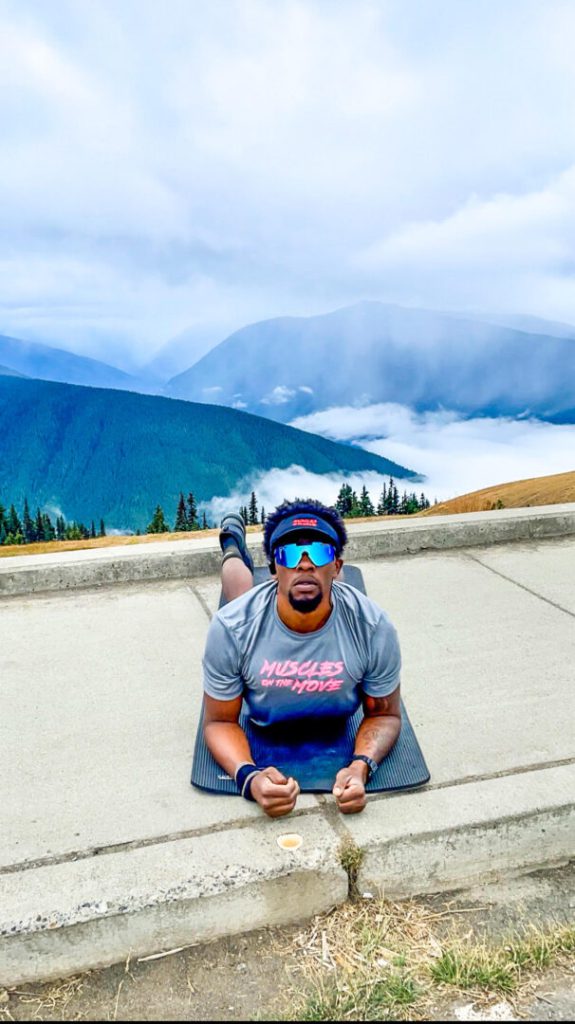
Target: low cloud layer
[[201, 166], [278, 485], [455, 455]]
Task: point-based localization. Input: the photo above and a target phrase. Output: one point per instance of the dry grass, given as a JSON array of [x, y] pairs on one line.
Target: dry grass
[[53, 999], [541, 490], [374, 960], [146, 538], [106, 542]]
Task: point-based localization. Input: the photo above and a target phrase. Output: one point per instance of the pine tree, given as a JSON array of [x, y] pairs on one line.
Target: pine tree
[[48, 530], [344, 500], [13, 524], [389, 498], [253, 510], [181, 524], [29, 529], [39, 526], [365, 503], [102, 532], [192, 513], [158, 523], [382, 501], [204, 521], [412, 504], [263, 516], [395, 501]]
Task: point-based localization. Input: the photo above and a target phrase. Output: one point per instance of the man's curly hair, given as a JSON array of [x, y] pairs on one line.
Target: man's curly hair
[[290, 508]]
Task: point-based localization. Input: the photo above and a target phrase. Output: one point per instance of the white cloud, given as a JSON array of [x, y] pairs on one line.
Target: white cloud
[[455, 455], [278, 396], [514, 249], [277, 485], [282, 394], [215, 164]]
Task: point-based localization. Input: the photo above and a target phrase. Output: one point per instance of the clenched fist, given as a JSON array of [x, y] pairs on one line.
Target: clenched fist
[[275, 794], [349, 788]]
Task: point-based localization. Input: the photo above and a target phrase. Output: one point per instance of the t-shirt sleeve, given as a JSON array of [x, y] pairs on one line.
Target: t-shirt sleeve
[[221, 663], [383, 671]]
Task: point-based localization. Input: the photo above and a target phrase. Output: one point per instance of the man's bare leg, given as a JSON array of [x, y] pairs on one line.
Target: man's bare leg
[[236, 578]]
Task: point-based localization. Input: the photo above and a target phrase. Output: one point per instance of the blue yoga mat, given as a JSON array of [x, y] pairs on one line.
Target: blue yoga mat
[[313, 752]]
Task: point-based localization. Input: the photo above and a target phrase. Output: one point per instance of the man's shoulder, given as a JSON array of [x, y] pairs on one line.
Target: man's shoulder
[[358, 605], [252, 605]]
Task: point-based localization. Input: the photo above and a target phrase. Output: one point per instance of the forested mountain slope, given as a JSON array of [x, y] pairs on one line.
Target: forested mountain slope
[[90, 452]]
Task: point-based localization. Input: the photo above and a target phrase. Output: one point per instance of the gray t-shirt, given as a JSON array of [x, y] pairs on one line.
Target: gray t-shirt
[[284, 675]]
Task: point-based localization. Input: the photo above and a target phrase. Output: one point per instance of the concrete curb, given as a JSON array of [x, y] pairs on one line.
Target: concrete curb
[[59, 919], [202, 557], [451, 838], [84, 914]]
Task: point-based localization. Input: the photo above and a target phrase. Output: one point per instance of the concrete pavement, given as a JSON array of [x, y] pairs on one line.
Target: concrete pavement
[[106, 849]]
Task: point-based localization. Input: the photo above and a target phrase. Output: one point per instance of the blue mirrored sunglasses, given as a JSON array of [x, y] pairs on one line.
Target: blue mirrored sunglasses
[[290, 555]]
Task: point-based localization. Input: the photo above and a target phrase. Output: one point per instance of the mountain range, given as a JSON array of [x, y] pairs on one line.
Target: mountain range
[[33, 359], [91, 452], [6, 371], [373, 352]]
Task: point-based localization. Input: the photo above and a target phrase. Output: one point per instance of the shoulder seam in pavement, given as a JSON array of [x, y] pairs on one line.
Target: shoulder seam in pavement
[[509, 579]]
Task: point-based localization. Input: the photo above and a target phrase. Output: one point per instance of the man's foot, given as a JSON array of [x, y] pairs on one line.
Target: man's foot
[[233, 539]]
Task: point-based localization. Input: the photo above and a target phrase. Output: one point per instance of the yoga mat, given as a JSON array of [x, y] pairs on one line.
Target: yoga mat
[[314, 751]]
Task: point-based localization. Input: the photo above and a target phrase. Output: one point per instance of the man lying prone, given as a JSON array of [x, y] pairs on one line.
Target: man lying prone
[[301, 647]]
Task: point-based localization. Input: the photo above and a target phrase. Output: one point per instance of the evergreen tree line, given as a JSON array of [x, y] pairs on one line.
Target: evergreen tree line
[[28, 529], [251, 514], [186, 519], [389, 503]]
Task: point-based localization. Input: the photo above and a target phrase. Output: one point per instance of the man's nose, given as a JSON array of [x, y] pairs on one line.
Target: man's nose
[[305, 562]]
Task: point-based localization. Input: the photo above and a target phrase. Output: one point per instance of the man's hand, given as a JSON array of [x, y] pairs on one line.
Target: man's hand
[[275, 794], [349, 788]]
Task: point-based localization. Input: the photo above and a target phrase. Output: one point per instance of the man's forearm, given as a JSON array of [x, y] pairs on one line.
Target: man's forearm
[[376, 736], [228, 744]]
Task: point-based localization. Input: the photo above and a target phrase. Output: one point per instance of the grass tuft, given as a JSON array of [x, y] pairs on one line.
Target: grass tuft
[[501, 968], [474, 968], [381, 961], [350, 857]]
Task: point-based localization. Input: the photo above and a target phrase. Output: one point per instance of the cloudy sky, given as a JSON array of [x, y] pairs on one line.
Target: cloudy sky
[[191, 166]]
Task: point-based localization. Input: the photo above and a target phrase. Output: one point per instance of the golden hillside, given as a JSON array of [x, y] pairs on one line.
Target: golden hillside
[[540, 490]]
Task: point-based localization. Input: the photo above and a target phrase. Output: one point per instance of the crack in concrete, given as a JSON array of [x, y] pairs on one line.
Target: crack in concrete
[[325, 805], [201, 600], [329, 811], [522, 586], [466, 780], [139, 844]]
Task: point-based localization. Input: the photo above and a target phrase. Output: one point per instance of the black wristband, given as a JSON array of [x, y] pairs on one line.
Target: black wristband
[[244, 778], [372, 765]]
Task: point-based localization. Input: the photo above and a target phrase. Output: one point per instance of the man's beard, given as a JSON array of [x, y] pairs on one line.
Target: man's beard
[[308, 604]]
